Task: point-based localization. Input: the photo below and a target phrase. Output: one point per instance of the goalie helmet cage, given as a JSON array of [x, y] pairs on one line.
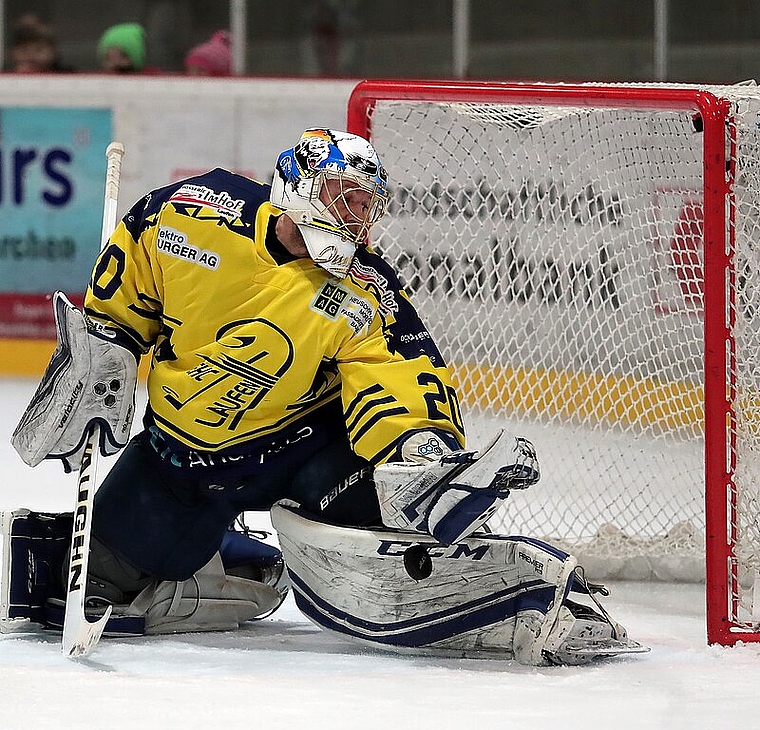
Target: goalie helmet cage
[[588, 259]]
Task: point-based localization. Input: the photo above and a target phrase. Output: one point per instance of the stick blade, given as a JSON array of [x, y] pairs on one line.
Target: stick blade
[[81, 637]]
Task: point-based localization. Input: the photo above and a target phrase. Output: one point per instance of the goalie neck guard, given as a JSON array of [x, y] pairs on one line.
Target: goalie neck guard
[[331, 224]]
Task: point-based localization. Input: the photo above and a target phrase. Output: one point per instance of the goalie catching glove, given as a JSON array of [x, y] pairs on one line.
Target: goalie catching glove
[[452, 497], [89, 380]]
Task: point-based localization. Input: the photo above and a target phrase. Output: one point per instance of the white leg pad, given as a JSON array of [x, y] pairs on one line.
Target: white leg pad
[[485, 596], [208, 601]]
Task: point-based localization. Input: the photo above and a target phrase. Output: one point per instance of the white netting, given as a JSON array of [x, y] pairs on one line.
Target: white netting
[[556, 254], [745, 375]]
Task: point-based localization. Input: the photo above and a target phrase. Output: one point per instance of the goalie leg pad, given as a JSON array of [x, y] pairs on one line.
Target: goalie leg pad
[[486, 596], [88, 380], [245, 579], [33, 548], [209, 601]]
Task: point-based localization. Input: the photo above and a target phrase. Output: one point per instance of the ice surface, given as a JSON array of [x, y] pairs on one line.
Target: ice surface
[[284, 672]]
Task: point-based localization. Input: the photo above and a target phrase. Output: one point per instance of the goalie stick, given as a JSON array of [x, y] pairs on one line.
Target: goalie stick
[[80, 635]]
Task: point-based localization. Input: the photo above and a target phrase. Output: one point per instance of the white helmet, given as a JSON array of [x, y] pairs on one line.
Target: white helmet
[[299, 177]]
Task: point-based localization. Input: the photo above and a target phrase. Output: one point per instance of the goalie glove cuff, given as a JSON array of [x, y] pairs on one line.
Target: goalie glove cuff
[[454, 496], [460, 510], [426, 446], [88, 381]]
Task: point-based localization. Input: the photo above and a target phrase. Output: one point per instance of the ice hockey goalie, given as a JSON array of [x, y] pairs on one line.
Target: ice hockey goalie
[[432, 579]]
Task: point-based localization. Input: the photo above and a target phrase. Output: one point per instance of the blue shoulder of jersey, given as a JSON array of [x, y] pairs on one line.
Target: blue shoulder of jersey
[[245, 194], [405, 332]]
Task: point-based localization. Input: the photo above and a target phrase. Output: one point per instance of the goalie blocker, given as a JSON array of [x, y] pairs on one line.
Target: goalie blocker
[[89, 380]]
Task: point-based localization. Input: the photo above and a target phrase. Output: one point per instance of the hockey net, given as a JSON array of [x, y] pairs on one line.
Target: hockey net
[[588, 260]]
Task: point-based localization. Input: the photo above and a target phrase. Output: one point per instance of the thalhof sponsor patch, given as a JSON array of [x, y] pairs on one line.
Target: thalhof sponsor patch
[[175, 243], [333, 301], [227, 206]]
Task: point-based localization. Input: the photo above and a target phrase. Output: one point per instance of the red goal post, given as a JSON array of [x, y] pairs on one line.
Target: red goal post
[[584, 255]]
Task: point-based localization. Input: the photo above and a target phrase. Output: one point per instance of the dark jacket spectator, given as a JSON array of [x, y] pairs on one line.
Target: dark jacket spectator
[[33, 47]]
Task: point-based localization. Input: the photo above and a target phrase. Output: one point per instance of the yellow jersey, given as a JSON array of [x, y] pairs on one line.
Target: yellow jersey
[[247, 339]]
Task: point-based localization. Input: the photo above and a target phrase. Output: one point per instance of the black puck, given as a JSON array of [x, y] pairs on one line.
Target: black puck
[[417, 562]]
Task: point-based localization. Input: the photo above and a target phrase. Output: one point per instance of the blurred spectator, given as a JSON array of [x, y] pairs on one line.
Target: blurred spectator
[[121, 49], [212, 58], [33, 47], [172, 26], [329, 31]]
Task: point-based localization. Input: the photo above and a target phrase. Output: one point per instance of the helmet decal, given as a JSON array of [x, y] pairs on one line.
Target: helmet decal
[[321, 150], [311, 152], [300, 187], [364, 164]]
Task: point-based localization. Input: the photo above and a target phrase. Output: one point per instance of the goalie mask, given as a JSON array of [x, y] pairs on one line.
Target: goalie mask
[[333, 186]]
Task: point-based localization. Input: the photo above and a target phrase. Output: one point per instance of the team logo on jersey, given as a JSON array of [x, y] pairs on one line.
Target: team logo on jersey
[[175, 243], [333, 301], [225, 205], [250, 358]]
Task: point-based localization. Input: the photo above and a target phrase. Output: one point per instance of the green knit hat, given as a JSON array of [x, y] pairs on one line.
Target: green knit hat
[[130, 38]]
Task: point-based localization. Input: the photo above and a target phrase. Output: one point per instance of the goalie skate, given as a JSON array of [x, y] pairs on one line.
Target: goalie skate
[[582, 635]]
